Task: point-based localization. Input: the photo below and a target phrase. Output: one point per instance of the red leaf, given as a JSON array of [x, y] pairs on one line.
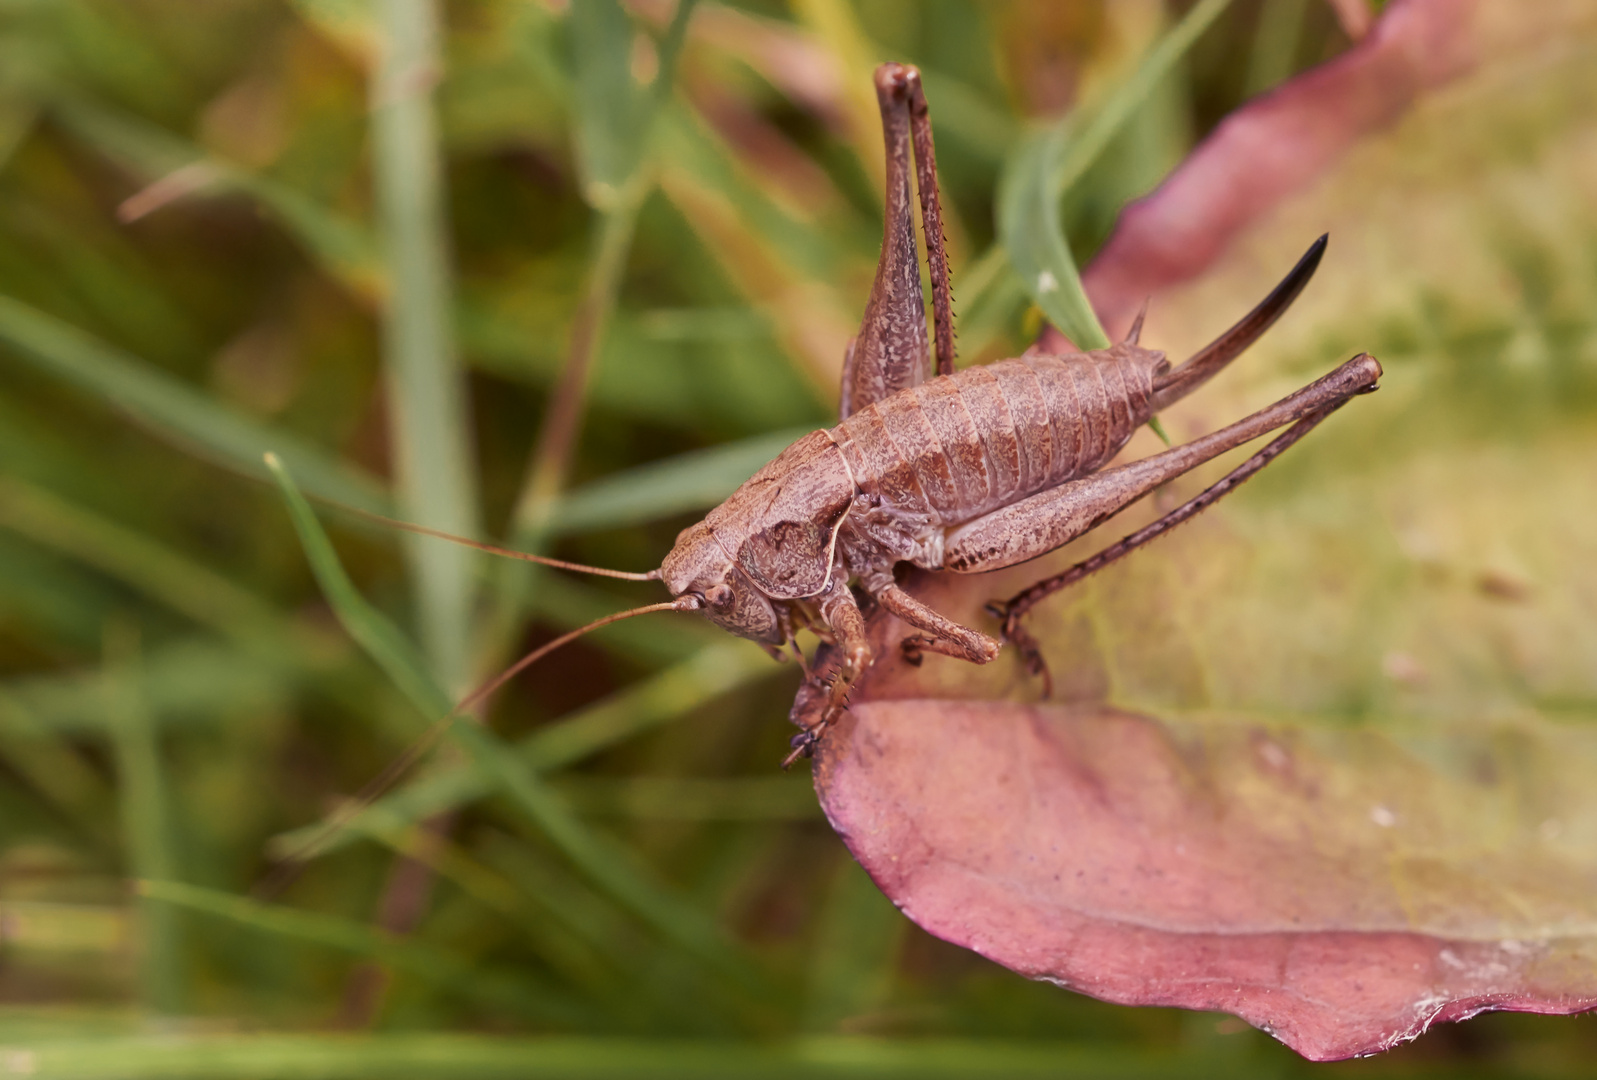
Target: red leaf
[[1095, 849]]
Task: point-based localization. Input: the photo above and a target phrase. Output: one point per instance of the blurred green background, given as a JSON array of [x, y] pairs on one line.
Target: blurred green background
[[557, 275]]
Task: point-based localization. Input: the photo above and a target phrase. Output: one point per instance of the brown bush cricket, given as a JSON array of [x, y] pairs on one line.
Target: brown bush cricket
[[964, 471]]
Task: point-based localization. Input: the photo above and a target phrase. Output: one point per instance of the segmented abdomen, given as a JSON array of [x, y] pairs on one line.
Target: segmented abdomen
[[955, 448]]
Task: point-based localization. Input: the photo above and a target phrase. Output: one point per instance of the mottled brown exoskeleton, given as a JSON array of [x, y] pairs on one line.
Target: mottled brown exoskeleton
[[967, 471]]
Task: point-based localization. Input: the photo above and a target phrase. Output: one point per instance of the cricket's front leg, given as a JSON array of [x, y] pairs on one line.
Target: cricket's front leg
[[843, 618]]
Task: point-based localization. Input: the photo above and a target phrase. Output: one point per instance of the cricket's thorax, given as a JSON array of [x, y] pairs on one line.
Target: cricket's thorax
[[936, 455], [781, 526], [774, 541]]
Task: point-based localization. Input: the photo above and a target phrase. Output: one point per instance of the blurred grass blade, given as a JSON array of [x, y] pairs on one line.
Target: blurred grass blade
[[854, 956], [146, 823], [1033, 235], [1048, 165], [609, 111], [836, 23], [426, 388], [75, 928], [993, 294], [613, 133], [624, 714], [17, 117], [174, 167], [607, 863], [670, 798], [174, 411], [50, 765], [381, 640], [497, 893], [167, 576], [522, 992], [183, 681], [614, 115], [693, 481], [349, 24], [1275, 44], [428, 1056]]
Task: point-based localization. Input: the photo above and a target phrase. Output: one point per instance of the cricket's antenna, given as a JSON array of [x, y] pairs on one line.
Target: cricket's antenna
[[681, 603], [288, 868], [495, 549]]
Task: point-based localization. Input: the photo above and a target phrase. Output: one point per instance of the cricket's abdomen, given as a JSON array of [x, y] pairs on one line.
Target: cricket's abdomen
[[964, 445]]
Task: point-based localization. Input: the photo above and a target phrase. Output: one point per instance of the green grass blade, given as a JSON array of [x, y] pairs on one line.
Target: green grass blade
[[174, 411], [426, 388], [166, 575], [1048, 164], [1275, 43], [185, 682], [853, 959], [17, 117], [469, 1057], [614, 128], [381, 640], [574, 959], [51, 767], [1032, 233], [657, 700], [522, 992], [147, 829], [1110, 117], [342, 246], [609, 111], [670, 798], [605, 862], [603, 50]]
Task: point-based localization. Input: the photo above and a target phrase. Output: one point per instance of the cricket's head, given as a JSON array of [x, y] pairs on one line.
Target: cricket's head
[[699, 566]]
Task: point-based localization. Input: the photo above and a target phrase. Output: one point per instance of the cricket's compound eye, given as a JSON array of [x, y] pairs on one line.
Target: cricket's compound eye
[[719, 596]]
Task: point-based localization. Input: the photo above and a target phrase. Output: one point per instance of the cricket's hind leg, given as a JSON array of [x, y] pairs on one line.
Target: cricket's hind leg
[[1011, 611], [891, 353], [1053, 518]]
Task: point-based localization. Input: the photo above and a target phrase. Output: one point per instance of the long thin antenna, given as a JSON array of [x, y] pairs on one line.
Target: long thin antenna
[[495, 549], [288, 868], [681, 603]]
